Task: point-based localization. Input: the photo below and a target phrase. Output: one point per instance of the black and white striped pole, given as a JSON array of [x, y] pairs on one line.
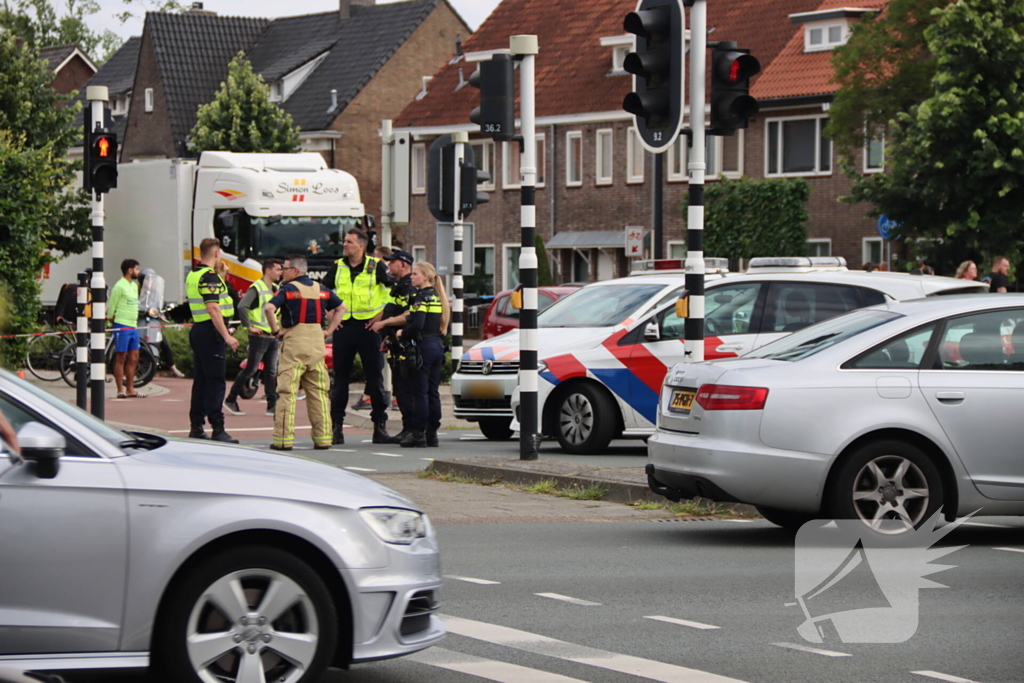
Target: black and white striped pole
[[98, 97], [461, 139], [694, 265], [525, 49], [82, 347]]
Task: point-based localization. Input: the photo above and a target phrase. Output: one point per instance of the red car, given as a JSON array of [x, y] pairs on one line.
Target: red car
[[501, 317]]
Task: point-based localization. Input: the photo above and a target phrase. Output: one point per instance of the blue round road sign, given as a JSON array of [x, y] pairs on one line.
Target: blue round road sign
[[887, 228]]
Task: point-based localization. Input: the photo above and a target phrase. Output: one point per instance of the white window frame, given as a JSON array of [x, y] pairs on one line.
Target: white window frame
[[867, 149], [542, 156], [714, 145], [821, 240], [608, 135], [683, 175], [505, 249], [825, 27], [574, 137], [634, 174], [741, 140], [486, 162], [619, 53], [494, 257], [418, 169], [821, 119], [865, 249], [512, 179], [675, 243], [148, 100], [419, 253]]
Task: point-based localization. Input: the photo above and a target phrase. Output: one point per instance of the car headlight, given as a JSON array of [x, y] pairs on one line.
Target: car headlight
[[394, 525]]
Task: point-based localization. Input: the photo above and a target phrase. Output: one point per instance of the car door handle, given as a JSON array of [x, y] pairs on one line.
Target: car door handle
[[730, 347], [950, 396]]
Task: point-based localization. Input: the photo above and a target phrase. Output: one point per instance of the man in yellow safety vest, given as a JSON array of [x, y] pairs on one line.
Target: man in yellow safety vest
[[263, 347]]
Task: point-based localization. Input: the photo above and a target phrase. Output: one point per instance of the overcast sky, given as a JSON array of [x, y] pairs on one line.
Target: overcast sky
[[473, 11]]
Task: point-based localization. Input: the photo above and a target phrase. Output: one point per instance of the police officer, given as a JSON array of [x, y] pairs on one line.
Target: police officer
[[426, 324], [303, 305], [211, 307], [363, 284], [400, 266], [263, 347]]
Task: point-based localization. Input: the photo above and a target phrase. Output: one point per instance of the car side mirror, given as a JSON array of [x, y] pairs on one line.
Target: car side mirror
[[43, 446], [651, 331]]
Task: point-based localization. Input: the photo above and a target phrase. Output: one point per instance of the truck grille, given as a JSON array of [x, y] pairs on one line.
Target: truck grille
[[497, 367], [417, 613]]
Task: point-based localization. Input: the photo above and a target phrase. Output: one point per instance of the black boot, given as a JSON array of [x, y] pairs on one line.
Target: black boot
[[380, 432], [414, 440], [432, 440], [197, 432], [220, 435], [397, 438], [337, 436]]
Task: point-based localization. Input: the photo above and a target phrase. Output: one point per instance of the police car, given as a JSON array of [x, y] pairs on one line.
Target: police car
[[599, 382]]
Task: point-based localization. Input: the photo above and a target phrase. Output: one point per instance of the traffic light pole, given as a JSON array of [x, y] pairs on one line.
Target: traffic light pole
[[694, 342], [82, 348], [98, 98], [460, 139], [525, 49]]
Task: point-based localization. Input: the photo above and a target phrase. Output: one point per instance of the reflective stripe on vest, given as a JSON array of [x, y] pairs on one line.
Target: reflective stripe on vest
[[307, 293], [364, 297], [258, 316], [195, 300]]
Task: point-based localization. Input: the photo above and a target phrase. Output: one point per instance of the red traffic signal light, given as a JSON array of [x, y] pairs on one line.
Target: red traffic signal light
[[101, 162], [731, 103], [103, 146]]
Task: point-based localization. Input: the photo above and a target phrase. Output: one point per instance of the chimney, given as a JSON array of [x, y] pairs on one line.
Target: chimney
[[197, 8], [345, 6], [334, 100]]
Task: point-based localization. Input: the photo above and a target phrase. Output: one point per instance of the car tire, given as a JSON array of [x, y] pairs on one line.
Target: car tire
[[198, 640], [497, 428], [786, 519], [584, 419], [891, 486]]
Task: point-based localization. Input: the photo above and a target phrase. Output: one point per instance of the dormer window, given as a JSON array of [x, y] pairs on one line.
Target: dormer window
[[621, 46], [275, 91], [618, 57], [827, 29]]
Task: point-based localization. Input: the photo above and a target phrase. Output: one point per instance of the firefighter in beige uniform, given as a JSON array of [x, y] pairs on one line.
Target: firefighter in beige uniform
[[304, 305]]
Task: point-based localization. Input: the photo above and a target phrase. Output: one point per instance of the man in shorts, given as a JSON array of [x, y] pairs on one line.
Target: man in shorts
[[123, 310]]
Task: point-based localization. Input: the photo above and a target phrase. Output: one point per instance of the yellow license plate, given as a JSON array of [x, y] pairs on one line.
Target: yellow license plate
[[682, 400], [485, 388]]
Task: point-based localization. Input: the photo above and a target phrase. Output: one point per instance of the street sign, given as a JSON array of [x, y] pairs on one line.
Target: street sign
[[887, 228], [634, 241]]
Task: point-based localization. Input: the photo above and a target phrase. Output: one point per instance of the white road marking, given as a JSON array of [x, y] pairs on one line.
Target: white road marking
[[172, 400], [684, 622], [1011, 550], [992, 526], [367, 441], [566, 598], [492, 670], [389, 455], [738, 521], [343, 450], [813, 650], [242, 429], [473, 438], [482, 582], [427, 459], [943, 677], [581, 654], [360, 469]]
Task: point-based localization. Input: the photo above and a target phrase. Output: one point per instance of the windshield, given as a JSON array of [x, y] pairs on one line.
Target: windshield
[[815, 338], [597, 306], [67, 410], [314, 236]]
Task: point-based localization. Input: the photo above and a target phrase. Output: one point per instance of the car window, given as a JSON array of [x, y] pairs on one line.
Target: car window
[[872, 297], [905, 352], [670, 326], [993, 340], [816, 338], [674, 294], [18, 416], [795, 305], [499, 309], [729, 309], [543, 301], [601, 306]]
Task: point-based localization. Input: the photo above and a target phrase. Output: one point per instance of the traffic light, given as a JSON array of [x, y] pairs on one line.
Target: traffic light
[[657, 65], [496, 114], [470, 176], [441, 180], [731, 103], [101, 170]]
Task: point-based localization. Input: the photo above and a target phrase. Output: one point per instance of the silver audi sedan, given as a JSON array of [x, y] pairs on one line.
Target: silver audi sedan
[[885, 414], [205, 562]]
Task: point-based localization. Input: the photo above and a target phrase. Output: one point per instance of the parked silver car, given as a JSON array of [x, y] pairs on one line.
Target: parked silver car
[[884, 414], [206, 562]]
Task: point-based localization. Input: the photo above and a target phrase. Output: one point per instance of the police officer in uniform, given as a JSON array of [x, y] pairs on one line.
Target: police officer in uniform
[[211, 307], [263, 347], [426, 324], [303, 305], [363, 284], [400, 265]]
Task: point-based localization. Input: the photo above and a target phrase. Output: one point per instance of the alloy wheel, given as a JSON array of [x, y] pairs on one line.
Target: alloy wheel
[[576, 418], [891, 494]]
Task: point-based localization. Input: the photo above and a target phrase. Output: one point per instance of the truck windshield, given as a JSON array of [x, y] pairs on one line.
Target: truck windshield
[[597, 306], [317, 237]]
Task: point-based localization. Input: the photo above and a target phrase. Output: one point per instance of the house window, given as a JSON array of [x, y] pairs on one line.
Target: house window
[[731, 154], [419, 253], [541, 156], [798, 147], [511, 170], [120, 105], [824, 35], [510, 260], [677, 154], [149, 99], [483, 152], [634, 157], [677, 250], [618, 57], [275, 91], [574, 159], [722, 157], [871, 250], [603, 157], [874, 153], [419, 169], [819, 246], [481, 282]]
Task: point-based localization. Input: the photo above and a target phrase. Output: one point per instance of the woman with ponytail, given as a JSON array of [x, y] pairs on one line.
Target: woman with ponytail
[[426, 324]]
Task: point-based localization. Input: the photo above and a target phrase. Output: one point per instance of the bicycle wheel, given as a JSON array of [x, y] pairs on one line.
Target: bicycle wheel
[[69, 363], [44, 356], [146, 370]]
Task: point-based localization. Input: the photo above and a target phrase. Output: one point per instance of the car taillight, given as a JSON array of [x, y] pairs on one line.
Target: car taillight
[[725, 397]]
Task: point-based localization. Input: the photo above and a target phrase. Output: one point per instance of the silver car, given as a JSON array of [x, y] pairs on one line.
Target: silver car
[[204, 561], [884, 414]]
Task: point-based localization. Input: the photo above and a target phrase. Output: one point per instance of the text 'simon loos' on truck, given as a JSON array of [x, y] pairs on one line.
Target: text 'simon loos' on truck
[[258, 206]]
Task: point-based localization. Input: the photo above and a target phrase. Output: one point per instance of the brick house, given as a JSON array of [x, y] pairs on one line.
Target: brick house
[[118, 75], [595, 179], [70, 66], [339, 74]]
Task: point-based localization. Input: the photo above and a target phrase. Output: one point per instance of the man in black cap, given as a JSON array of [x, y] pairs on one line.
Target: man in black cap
[[400, 267]]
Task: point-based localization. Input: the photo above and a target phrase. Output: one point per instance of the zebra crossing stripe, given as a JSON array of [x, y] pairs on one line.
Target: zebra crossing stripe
[[492, 670], [580, 654]]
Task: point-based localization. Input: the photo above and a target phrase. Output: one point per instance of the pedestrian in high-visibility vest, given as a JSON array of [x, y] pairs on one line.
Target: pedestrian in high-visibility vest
[[211, 307], [364, 285], [303, 305], [263, 347]]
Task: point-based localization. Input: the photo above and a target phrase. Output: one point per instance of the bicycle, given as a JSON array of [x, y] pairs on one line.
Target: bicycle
[[44, 354], [144, 372]]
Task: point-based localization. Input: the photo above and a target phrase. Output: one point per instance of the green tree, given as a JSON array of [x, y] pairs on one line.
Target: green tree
[[747, 218], [38, 211], [241, 117], [544, 278], [955, 163], [38, 23]]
